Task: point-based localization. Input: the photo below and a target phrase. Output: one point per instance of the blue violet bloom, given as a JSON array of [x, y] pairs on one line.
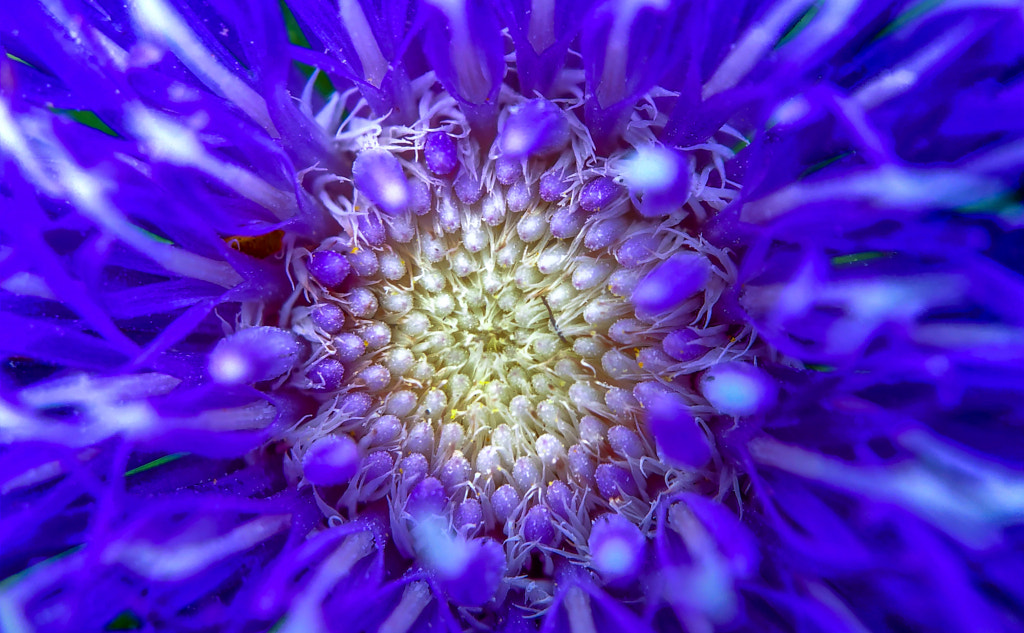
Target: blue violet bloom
[[512, 315]]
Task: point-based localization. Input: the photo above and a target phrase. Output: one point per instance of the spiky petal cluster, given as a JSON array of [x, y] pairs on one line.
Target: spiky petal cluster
[[237, 299]]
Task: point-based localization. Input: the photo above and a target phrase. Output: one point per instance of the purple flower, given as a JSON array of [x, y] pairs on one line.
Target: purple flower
[[516, 316]]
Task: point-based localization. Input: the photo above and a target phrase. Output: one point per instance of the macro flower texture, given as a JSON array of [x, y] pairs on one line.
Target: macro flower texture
[[399, 316]]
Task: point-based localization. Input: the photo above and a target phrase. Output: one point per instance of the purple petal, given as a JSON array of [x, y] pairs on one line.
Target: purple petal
[[533, 128], [253, 355], [673, 427], [671, 282], [379, 176]]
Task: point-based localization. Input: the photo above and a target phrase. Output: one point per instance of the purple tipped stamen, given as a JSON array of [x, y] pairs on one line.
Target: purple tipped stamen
[[599, 193], [441, 153], [332, 460], [330, 268], [326, 375]]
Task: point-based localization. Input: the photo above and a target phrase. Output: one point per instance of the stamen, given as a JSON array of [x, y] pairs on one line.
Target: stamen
[[330, 461], [440, 152]]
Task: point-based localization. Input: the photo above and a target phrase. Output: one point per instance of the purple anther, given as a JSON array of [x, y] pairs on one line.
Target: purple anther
[[647, 391], [467, 187], [520, 196], [374, 377], [628, 332], [385, 429], [349, 346], [448, 217], [621, 401], [421, 439], [441, 153], [420, 197], [331, 460], [328, 317], [604, 233], [362, 302], [400, 402], [507, 170], [363, 261], [469, 517], [598, 193], [427, 497], [683, 345], [614, 481], [379, 464], [504, 502], [326, 375], [371, 228], [455, 472], [330, 268], [559, 498], [493, 211], [581, 464], [625, 442], [413, 468], [623, 281], [638, 250], [591, 430], [401, 227], [354, 404], [654, 360], [526, 473], [537, 526], [552, 185], [376, 335], [567, 222]]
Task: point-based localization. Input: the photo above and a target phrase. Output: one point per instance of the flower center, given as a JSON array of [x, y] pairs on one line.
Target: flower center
[[493, 322]]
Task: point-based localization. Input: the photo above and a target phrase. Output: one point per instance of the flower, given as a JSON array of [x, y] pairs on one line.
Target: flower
[[577, 315]]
